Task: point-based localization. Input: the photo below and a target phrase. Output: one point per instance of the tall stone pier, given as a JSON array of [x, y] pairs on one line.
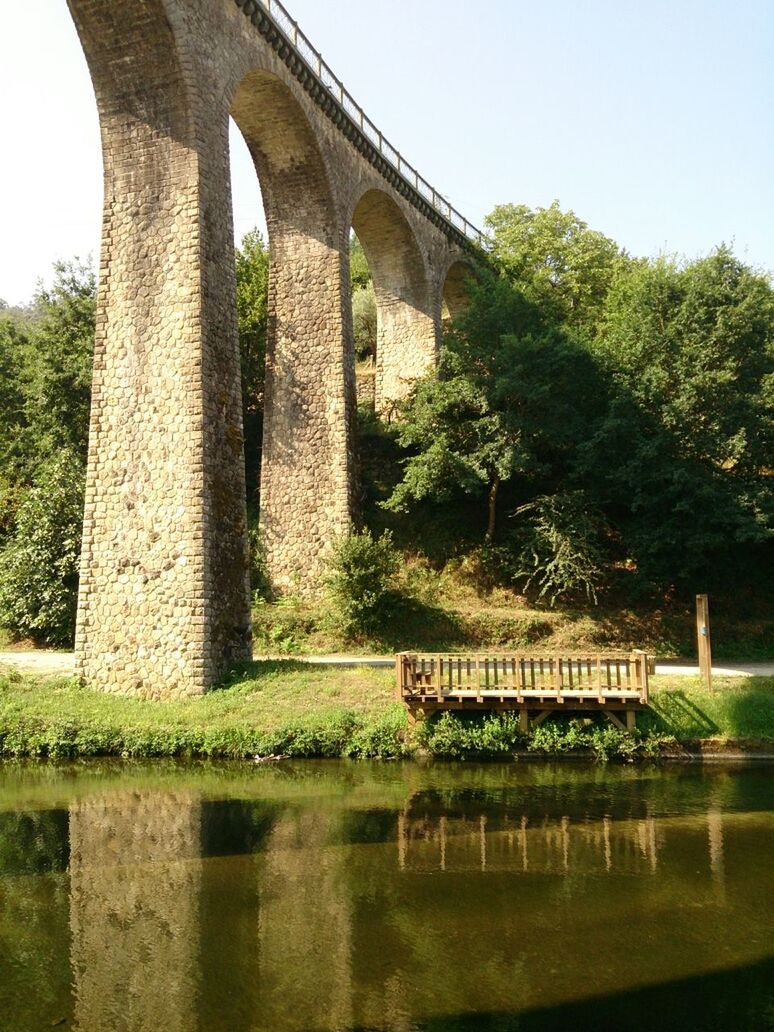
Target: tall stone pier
[[164, 599]]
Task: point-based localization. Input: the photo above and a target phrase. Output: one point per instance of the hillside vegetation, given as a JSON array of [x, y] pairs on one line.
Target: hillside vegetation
[[594, 449]]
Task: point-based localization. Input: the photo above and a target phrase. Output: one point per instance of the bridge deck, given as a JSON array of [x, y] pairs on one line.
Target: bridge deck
[[612, 683]]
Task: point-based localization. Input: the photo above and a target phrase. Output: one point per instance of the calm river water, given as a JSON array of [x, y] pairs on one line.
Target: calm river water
[[336, 896]]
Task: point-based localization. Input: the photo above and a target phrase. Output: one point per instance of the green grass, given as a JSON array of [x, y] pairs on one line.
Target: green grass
[[738, 708], [279, 707], [288, 708], [455, 609]]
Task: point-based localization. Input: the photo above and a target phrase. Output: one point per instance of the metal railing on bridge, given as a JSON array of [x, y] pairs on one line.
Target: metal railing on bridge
[[304, 49]]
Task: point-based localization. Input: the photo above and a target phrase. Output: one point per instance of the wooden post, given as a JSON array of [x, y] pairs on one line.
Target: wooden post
[[703, 637], [639, 662]]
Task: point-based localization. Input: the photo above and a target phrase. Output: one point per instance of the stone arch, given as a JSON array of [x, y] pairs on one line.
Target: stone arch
[[454, 291], [406, 343], [292, 171], [306, 491]]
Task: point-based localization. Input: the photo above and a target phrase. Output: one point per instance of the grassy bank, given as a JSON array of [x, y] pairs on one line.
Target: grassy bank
[[455, 609], [288, 708]]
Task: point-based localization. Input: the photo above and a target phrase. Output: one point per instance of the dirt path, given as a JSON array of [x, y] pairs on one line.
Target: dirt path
[[49, 664], [42, 662]]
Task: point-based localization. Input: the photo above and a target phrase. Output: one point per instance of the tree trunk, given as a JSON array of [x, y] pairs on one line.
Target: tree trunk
[[494, 487]]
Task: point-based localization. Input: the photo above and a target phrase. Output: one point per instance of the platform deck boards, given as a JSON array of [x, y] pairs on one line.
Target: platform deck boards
[[610, 682]]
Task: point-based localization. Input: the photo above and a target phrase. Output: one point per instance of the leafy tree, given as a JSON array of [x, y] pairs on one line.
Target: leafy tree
[[39, 564], [57, 371], [363, 301], [697, 341], [685, 447], [509, 401], [359, 273], [560, 264], [252, 291], [13, 355], [364, 320], [45, 386], [45, 373]]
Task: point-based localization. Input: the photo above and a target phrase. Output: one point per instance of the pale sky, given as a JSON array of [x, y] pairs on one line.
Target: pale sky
[[651, 120]]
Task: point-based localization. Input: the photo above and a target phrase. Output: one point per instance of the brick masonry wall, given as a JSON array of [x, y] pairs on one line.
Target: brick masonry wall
[[164, 601]]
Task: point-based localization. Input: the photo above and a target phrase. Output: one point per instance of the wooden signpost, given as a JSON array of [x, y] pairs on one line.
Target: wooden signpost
[[703, 637]]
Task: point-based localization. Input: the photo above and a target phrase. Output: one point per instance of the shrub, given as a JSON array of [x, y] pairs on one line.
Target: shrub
[[604, 740], [381, 738], [561, 553], [456, 735], [361, 581], [39, 564]]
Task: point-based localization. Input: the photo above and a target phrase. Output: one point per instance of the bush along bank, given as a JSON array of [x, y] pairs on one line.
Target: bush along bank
[[283, 709]]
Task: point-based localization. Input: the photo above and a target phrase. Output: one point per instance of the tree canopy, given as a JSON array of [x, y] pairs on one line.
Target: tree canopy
[[618, 411], [560, 264]]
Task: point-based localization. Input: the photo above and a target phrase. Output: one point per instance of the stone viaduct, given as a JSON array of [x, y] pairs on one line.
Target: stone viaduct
[[164, 599]]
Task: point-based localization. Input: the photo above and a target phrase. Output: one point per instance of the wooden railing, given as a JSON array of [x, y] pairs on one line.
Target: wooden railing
[[524, 681]]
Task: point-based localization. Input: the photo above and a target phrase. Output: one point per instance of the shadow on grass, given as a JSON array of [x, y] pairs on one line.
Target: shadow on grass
[[743, 711], [409, 620], [244, 673], [674, 713]]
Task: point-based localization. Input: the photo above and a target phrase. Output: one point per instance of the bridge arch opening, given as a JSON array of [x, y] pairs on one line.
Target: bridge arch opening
[[306, 487], [455, 297], [405, 328]]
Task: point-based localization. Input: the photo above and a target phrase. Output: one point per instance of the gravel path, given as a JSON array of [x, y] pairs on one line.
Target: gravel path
[[49, 663]]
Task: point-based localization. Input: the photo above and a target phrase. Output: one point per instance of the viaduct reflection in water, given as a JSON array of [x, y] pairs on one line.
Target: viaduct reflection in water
[[280, 910], [135, 889]]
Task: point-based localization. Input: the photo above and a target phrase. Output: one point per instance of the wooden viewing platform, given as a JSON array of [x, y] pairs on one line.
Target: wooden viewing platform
[[615, 683]]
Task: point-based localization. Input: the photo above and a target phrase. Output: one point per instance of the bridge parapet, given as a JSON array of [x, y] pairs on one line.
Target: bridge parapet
[[306, 63]]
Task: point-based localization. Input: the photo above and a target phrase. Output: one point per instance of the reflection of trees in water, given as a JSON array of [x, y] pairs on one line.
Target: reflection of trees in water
[[34, 933], [34, 842]]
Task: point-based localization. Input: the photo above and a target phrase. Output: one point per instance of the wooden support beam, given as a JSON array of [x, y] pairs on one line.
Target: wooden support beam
[[415, 714], [703, 639], [399, 676], [524, 720]]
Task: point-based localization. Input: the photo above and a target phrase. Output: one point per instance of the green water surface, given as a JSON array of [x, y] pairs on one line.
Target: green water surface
[[340, 896]]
